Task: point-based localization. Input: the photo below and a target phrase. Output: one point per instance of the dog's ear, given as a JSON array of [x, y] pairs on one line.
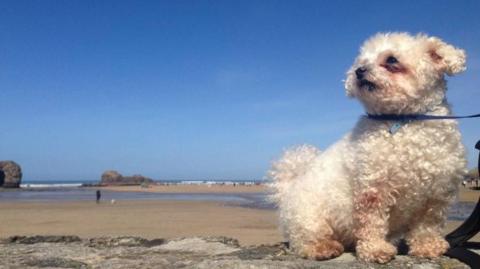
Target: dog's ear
[[447, 58]]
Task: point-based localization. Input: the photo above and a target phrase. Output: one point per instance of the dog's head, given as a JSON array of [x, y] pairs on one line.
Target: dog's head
[[397, 73]]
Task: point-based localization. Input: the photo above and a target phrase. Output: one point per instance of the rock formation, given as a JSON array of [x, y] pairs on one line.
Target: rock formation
[[112, 177], [194, 252], [10, 174]]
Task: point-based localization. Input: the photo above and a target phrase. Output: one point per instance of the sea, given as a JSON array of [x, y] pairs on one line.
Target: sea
[[58, 191]]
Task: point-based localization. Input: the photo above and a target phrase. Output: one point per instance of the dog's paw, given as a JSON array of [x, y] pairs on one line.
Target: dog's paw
[[323, 249], [428, 246], [379, 251]]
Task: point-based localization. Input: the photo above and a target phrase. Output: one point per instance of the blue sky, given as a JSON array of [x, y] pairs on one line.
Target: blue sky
[[197, 89]]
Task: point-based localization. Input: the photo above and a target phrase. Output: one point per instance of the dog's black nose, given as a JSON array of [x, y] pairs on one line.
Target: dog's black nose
[[360, 72]]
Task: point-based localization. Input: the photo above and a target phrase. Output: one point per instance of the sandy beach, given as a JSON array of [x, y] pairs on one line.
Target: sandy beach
[[468, 195], [153, 219], [149, 219]]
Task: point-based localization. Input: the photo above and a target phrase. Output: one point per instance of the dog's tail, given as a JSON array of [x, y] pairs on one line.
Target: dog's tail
[[294, 163]]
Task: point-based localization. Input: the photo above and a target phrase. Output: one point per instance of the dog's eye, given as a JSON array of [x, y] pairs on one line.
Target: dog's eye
[[391, 60]]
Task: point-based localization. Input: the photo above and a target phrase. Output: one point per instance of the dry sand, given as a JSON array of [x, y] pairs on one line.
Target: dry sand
[[468, 195], [149, 219], [153, 219]]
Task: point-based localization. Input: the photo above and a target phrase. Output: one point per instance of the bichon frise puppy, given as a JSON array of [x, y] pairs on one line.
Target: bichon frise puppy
[[387, 179]]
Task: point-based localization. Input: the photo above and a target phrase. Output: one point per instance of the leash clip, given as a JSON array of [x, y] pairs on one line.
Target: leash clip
[[396, 126]]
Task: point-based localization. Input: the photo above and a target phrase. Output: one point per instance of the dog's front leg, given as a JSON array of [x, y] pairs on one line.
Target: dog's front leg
[[371, 224], [425, 238]]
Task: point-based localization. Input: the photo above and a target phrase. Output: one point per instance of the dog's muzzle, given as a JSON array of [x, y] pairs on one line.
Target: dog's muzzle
[[366, 84], [362, 81]]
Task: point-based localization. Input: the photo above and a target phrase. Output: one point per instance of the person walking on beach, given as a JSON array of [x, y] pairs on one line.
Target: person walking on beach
[[99, 195]]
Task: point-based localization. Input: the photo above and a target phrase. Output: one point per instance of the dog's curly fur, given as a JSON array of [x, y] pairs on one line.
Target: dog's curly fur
[[373, 187]]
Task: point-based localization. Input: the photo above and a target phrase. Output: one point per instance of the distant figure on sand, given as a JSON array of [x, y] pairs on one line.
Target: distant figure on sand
[[99, 195]]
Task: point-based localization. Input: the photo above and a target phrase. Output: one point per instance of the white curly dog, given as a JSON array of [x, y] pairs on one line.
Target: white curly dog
[[382, 181]]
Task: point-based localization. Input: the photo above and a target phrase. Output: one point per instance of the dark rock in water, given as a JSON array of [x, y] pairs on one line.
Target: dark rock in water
[[192, 252], [112, 177], [92, 185], [43, 239], [10, 174]]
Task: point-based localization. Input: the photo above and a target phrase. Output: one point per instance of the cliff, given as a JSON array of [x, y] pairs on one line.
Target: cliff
[[112, 177], [10, 174], [196, 252]]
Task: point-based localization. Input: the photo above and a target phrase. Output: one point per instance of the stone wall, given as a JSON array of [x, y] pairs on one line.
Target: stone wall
[[195, 252]]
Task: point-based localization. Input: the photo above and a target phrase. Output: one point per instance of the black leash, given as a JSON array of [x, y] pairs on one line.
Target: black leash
[[459, 247], [414, 117]]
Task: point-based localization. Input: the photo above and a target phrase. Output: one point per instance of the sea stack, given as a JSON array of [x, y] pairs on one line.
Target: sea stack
[[112, 177], [10, 174]]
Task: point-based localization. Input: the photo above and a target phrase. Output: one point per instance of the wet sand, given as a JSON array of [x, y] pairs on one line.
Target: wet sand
[[193, 188], [466, 194]]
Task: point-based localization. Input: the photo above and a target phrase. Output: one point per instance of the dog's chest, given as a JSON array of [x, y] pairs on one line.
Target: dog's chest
[[424, 148], [418, 153]]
